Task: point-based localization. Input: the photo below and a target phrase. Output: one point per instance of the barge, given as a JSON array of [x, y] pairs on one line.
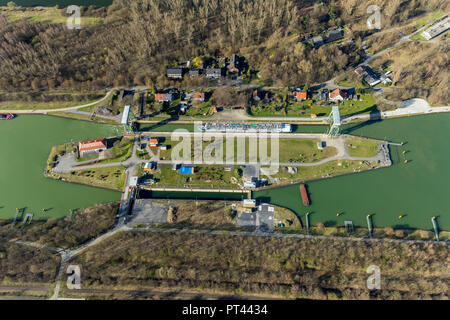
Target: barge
[[6, 116], [304, 195]]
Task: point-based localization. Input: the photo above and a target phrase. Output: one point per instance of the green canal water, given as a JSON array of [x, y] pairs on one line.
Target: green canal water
[[25, 144], [417, 190]]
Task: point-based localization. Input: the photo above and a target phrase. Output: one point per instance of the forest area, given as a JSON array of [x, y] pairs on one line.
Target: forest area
[[136, 40], [279, 267]]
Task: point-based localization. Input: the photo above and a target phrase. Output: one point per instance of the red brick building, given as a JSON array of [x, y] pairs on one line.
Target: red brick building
[[89, 147]]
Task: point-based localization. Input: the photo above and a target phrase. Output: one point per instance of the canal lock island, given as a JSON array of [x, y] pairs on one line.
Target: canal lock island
[[220, 148]]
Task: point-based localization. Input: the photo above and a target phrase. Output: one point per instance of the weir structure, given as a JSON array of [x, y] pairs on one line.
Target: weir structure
[[335, 122]]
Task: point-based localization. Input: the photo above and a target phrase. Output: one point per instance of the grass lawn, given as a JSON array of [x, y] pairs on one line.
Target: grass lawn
[[41, 14], [108, 177], [201, 213], [108, 103], [303, 150], [325, 170], [287, 218], [302, 109], [18, 105], [201, 110], [142, 155], [420, 22], [290, 150], [418, 36], [205, 176], [120, 151], [360, 147]]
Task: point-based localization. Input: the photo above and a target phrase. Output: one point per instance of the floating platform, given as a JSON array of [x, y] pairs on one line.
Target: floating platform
[[304, 195]]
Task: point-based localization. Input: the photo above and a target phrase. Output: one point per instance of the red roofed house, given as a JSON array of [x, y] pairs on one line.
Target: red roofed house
[[199, 96], [300, 95], [338, 94], [153, 142], [91, 146], [163, 97]]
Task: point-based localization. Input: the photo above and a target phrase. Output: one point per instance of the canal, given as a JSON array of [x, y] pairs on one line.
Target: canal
[[416, 190], [25, 144]]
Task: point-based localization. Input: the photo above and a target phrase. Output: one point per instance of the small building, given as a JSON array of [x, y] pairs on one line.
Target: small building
[[334, 36], [258, 95], [228, 168], [163, 97], [249, 203], [300, 95], [175, 73], [213, 73], [338, 94], [148, 166], [153, 142], [90, 147], [195, 73], [234, 65], [249, 185], [187, 170], [200, 96], [313, 115], [134, 181], [317, 41], [368, 75], [371, 80], [183, 107], [163, 147]]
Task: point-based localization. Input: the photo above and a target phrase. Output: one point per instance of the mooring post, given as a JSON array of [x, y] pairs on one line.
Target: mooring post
[[369, 225], [435, 227], [307, 222]]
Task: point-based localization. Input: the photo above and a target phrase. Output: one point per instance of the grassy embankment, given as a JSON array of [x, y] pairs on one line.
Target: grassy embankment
[[107, 177], [326, 170], [50, 15], [290, 150], [279, 267], [362, 147]]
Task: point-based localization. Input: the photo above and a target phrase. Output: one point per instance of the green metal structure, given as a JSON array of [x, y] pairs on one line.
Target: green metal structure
[[335, 122]]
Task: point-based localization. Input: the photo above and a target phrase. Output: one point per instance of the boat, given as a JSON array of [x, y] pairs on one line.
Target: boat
[[6, 116], [304, 194]]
